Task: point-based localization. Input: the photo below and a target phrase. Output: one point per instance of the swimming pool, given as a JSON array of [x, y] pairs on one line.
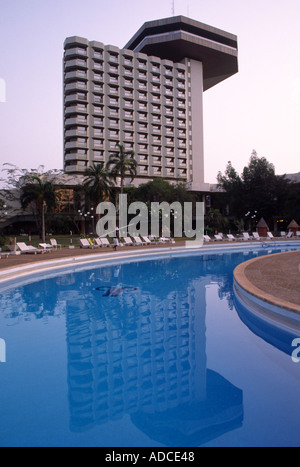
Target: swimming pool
[[152, 353]]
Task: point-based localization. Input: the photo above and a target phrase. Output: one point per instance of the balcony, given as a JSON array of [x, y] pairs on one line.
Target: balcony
[[75, 51], [75, 98], [170, 172], [97, 144], [75, 109], [76, 86], [182, 173], [78, 74], [98, 55], [76, 157], [75, 145], [182, 163], [75, 63], [75, 121], [98, 77], [143, 170]]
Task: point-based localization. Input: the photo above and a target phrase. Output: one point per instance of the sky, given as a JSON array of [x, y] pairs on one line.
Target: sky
[[256, 109]]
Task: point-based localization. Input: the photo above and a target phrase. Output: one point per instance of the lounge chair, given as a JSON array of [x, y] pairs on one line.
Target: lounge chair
[[54, 243], [166, 240], [270, 236], [246, 236], [93, 243], [160, 240], [219, 238], [138, 241], [231, 238], [207, 238], [84, 243], [147, 240], [29, 249], [290, 235], [46, 247], [104, 242], [256, 236], [128, 241], [154, 240], [5, 255]]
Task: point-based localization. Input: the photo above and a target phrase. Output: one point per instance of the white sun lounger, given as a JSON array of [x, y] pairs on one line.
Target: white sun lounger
[[84, 243], [103, 241], [231, 238], [29, 249], [256, 236], [218, 237], [138, 241], [5, 255], [246, 236], [270, 236], [54, 243], [46, 247], [128, 241], [147, 240], [207, 238]]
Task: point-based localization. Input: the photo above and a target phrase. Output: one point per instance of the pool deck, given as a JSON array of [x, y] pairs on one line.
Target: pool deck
[[274, 279]]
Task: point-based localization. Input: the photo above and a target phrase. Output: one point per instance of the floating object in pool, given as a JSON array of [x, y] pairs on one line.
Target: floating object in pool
[[115, 291]]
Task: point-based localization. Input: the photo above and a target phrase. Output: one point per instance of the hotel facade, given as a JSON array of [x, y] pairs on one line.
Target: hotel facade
[[147, 96]]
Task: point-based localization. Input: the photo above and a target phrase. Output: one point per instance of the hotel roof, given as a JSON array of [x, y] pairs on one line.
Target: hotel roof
[[178, 37]]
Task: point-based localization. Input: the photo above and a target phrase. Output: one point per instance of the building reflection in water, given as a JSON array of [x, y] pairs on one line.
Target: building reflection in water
[[139, 348]]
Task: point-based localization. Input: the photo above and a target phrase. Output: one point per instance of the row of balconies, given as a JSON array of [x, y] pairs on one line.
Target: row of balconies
[[78, 82], [117, 57], [76, 126], [143, 170], [114, 102]]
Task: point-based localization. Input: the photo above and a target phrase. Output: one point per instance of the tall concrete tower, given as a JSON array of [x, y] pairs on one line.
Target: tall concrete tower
[[209, 55], [148, 96]]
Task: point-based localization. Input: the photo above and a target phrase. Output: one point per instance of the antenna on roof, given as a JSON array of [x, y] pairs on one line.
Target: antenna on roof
[[188, 8], [173, 7]]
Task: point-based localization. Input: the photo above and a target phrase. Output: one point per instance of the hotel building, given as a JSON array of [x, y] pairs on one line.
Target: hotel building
[[147, 96]]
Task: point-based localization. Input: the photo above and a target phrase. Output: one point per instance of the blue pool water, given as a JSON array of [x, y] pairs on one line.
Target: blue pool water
[[153, 353]]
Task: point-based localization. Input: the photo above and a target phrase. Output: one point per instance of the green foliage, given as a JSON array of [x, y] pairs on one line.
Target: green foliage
[[257, 190], [98, 182], [216, 221], [160, 190], [122, 164], [3, 240]]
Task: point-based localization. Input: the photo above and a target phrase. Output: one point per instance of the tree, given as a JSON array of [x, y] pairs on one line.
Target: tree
[[98, 182], [232, 184], [122, 164], [216, 221], [256, 192], [40, 195]]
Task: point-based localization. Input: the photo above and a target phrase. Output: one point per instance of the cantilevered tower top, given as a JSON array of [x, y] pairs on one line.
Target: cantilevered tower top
[[178, 37]]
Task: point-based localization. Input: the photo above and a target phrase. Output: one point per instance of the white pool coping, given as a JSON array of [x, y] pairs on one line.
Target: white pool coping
[[50, 268]]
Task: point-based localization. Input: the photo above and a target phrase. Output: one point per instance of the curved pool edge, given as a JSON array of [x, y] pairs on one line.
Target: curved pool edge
[[272, 309], [74, 263], [15, 272]]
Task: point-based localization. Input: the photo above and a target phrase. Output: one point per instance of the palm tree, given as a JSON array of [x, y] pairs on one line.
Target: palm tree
[[123, 165], [40, 195], [98, 182]]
